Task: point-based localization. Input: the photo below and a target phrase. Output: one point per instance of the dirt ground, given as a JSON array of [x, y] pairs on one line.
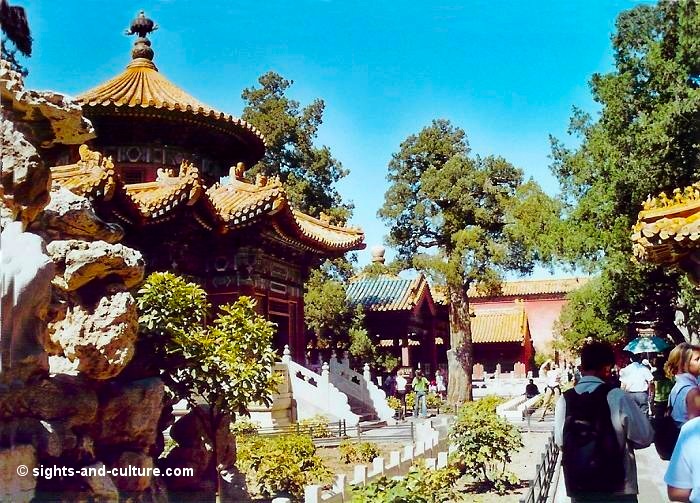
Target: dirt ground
[[331, 457], [523, 465]]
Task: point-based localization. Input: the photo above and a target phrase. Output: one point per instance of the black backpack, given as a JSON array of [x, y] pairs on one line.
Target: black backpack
[[666, 431], [592, 458]]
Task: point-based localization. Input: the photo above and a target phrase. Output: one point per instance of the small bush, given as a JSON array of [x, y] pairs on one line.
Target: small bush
[[485, 443], [434, 401], [317, 426], [420, 485], [394, 403], [410, 400], [281, 465], [362, 452], [244, 427]]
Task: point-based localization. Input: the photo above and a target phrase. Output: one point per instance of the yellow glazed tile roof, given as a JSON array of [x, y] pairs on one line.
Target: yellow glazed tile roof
[[233, 205], [668, 228], [518, 288], [93, 175], [503, 325], [239, 202], [141, 85]]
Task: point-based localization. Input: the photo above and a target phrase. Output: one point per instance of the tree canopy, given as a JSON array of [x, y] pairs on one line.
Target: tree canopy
[[645, 140], [462, 219], [308, 172], [16, 36]]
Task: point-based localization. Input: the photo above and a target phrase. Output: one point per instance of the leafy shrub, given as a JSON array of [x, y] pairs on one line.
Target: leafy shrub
[[362, 452], [317, 426], [486, 404], [420, 485], [434, 401], [410, 400], [244, 426], [281, 465], [485, 443], [394, 403]]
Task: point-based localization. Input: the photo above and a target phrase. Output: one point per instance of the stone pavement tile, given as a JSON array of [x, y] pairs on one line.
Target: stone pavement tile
[[650, 478]]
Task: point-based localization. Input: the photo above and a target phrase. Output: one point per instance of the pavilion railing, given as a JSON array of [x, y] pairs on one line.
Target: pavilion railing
[[539, 487]]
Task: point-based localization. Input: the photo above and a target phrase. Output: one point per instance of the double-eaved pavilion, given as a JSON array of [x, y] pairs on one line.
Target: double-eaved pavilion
[[171, 171]]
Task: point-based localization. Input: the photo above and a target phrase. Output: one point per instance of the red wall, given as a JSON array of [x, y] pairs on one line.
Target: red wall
[[541, 314]]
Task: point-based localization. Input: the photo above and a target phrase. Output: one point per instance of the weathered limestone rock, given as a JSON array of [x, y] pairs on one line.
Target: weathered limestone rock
[[47, 439], [26, 278], [130, 413], [63, 397], [24, 184], [101, 340], [101, 486], [79, 262], [69, 216], [14, 486], [135, 466], [46, 117]]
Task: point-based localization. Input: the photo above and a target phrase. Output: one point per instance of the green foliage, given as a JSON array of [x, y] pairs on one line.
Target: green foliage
[[420, 485], [361, 452], [541, 358], [16, 36], [244, 426], [644, 141], [485, 443], [326, 309], [433, 401], [587, 315], [394, 403], [317, 426], [228, 363], [309, 173], [474, 211], [281, 465]]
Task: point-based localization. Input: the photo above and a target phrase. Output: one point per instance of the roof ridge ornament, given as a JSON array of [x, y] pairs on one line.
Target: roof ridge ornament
[[142, 26]]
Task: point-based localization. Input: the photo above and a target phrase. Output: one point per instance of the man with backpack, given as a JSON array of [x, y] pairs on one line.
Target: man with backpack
[[597, 428]]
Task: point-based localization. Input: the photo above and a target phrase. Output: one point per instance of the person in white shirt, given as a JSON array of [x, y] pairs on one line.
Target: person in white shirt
[[636, 379], [683, 472], [401, 384]]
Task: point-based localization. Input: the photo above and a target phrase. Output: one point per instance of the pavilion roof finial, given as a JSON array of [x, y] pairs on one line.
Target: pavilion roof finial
[[142, 26]]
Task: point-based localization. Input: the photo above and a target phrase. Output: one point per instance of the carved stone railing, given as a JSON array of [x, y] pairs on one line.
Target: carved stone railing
[[360, 387], [315, 394]]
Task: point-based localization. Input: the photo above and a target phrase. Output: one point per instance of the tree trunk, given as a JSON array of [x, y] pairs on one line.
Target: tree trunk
[[460, 356]]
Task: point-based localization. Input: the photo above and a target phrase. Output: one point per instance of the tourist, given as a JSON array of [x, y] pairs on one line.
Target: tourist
[[684, 364], [390, 385], [636, 379], [683, 473], [531, 389], [553, 380], [440, 383], [400, 386], [420, 389], [661, 390], [598, 427]]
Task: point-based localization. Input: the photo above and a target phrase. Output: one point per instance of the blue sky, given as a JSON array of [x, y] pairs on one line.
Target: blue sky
[[507, 72]]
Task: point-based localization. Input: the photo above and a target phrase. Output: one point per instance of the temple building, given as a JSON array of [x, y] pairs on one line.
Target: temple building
[[403, 319], [171, 171]]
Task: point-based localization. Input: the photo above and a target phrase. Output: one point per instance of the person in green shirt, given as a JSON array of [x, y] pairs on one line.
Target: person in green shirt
[[420, 388], [661, 389]]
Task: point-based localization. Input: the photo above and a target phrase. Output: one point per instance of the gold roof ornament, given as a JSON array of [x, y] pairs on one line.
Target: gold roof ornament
[[227, 207], [668, 228], [142, 87]]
